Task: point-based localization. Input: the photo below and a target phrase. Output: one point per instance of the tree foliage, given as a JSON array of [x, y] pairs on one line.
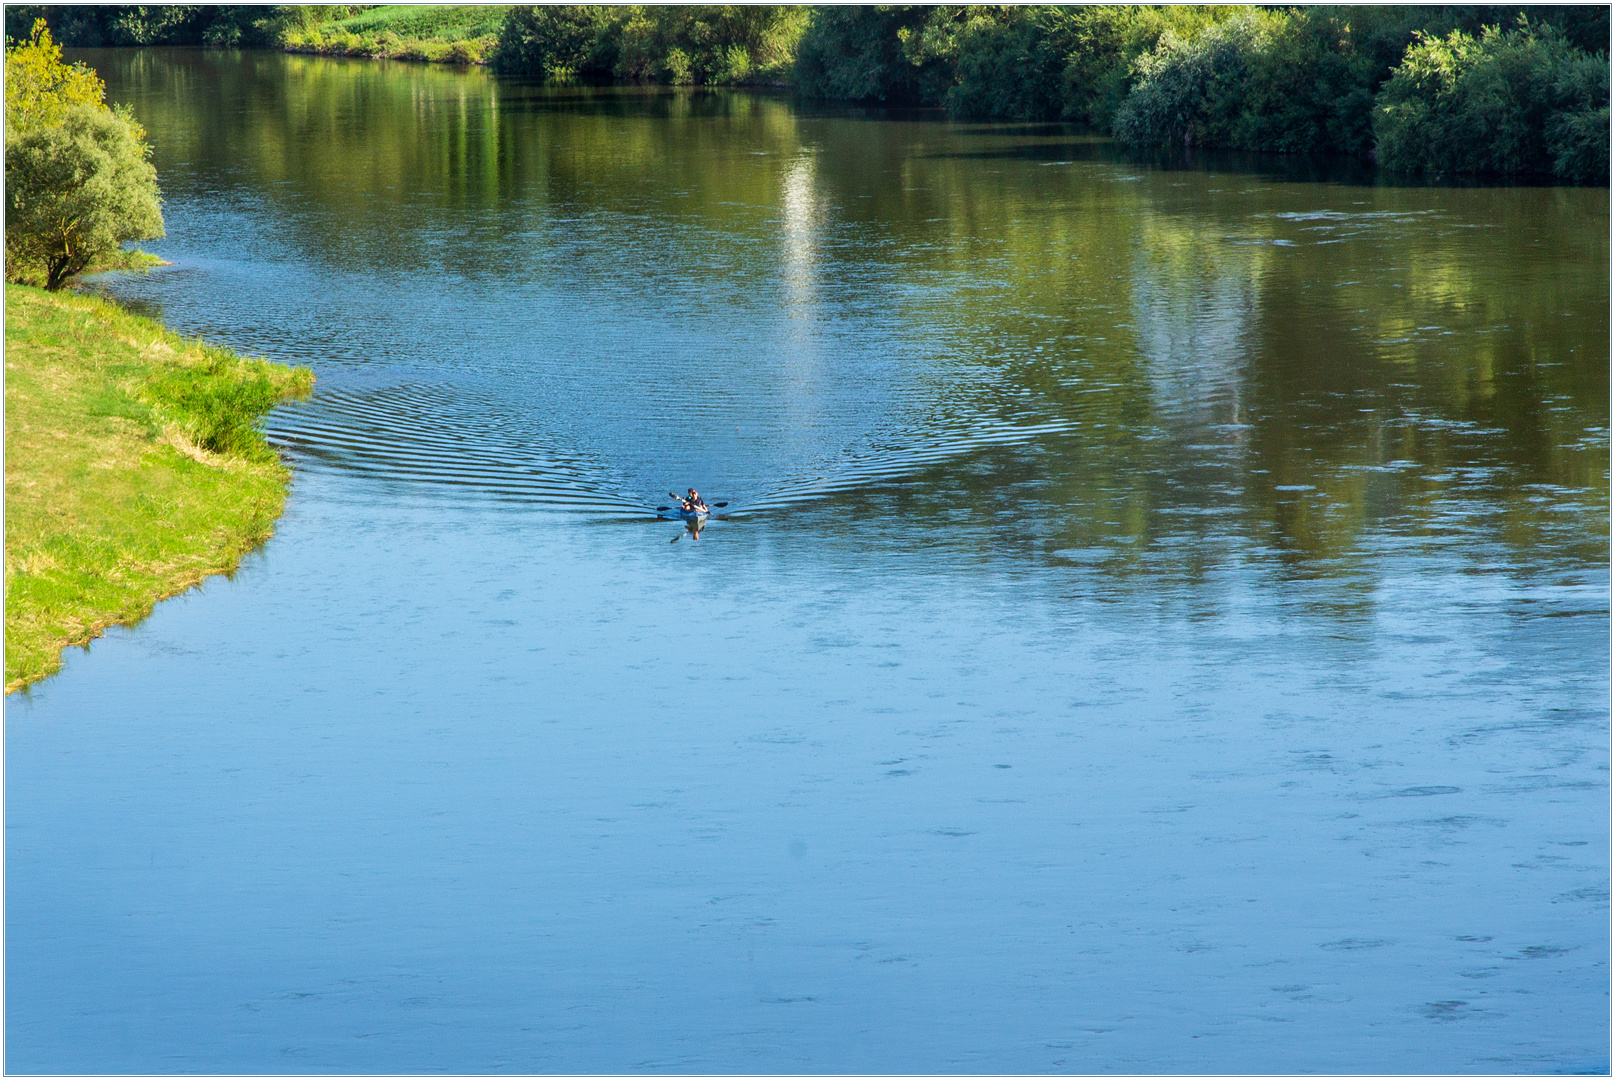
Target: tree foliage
[[712, 44], [553, 41], [1071, 63], [174, 24], [78, 178], [892, 53], [1273, 81], [1189, 90], [1010, 63], [1348, 80], [1516, 101], [40, 86], [1280, 79], [1303, 79]]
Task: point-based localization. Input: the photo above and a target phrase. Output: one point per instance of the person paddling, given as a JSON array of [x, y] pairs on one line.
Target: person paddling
[[693, 503]]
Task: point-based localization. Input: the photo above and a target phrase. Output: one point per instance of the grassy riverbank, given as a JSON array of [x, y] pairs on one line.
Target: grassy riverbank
[[434, 33], [134, 468]]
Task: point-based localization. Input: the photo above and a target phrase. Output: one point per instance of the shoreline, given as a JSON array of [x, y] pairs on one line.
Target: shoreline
[[135, 469]]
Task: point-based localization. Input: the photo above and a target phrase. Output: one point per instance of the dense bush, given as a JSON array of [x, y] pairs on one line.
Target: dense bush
[[1578, 132], [1289, 83], [1072, 63], [78, 178], [1190, 90], [715, 44], [173, 24], [1011, 65], [1517, 101], [1102, 43], [891, 53], [554, 41], [1309, 90], [1273, 81], [1305, 81]]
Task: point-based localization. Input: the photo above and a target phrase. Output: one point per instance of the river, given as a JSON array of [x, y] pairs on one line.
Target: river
[[1160, 622]]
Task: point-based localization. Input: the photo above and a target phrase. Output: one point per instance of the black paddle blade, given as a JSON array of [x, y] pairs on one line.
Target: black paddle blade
[[663, 509], [720, 504]]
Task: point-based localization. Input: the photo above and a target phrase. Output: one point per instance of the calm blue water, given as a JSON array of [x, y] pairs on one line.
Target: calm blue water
[[1164, 626]]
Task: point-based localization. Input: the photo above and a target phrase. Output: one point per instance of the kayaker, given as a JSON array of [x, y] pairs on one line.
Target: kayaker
[[693, 503]]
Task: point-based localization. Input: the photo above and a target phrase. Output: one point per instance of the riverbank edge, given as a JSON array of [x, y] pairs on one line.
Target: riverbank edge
[[469, 52], [383, 33], [433, 51], [135, 469]]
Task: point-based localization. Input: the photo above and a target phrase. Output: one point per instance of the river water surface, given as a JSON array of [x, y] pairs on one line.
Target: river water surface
[[1162, 622]]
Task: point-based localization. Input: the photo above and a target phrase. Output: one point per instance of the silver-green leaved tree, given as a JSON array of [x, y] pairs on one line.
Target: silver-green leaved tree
[[79, 180]]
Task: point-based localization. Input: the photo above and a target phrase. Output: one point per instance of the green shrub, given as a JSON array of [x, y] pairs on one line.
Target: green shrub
[[1101, 43], [1189, 91], [439, 22], [76, 190], [897, 53], [1578, 133], [1010, 65], [559, 41], [717, 44], [704, 43], [467, 51], [41, 87], [78, 182], [1306, 90], [1049, 62], [1517, 101], [1285, 82]]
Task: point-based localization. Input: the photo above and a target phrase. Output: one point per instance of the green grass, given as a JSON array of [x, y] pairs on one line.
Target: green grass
[[134, 468], [440, 22], [436, 33]]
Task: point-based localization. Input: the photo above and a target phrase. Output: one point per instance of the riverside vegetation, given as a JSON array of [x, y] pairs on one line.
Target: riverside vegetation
[[79, 181], [1440, 89], [434, 33], [134, 467]]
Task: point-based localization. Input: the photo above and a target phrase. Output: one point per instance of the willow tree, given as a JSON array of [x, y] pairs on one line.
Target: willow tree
[[79, 179]]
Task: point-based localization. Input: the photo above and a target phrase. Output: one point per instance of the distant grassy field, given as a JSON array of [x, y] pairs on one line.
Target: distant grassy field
[[439, 33], [134, 468], [440, 22]]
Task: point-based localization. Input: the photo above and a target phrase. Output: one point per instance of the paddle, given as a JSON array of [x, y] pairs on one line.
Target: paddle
[[671, 495]]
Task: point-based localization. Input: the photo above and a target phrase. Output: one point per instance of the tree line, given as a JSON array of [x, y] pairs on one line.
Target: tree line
[[1423, 89]]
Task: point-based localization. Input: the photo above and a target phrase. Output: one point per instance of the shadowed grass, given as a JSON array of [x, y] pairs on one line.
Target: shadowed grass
[[122, 259], [134, 468]]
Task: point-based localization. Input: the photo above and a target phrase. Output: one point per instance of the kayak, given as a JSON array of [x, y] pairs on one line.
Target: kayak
[[693, 515]]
